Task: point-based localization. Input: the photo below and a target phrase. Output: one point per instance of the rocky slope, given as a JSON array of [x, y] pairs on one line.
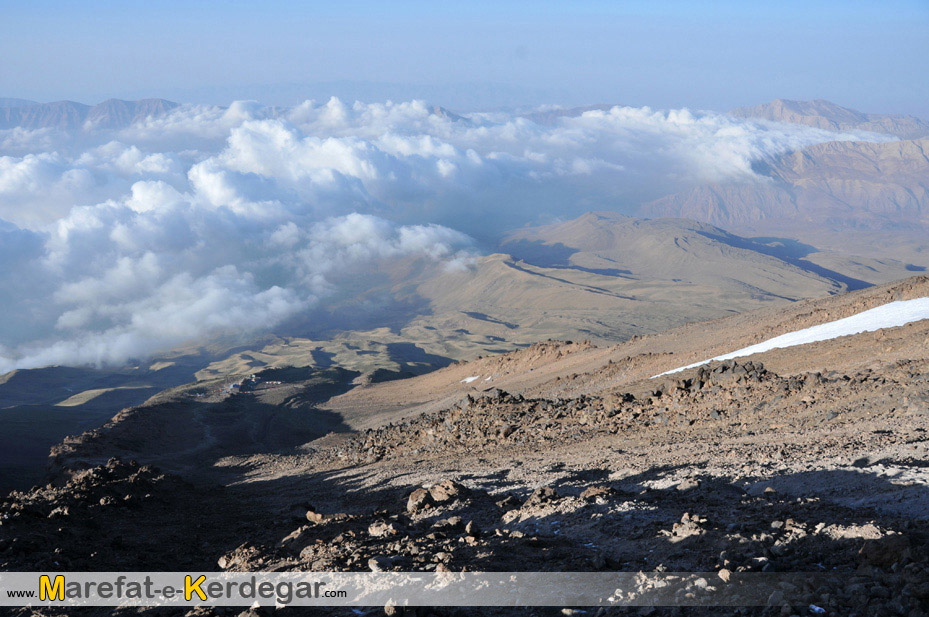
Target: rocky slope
[[569, 457]]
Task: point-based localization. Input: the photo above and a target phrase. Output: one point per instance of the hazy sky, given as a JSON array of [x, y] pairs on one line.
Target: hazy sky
[[708, 55]]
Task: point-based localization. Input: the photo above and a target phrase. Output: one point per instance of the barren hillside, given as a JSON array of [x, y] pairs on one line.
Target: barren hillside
[[561, 456]]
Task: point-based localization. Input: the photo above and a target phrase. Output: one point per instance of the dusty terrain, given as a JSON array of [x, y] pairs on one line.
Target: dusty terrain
[[561, 456]]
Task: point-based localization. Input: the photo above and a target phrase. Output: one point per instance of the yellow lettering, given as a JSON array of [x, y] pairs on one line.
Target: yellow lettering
[[192, 587], [55, 591]]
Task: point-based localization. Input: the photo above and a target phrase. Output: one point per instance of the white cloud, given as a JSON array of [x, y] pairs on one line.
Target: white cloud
[[128, 161], [209, 221], [126, 286]]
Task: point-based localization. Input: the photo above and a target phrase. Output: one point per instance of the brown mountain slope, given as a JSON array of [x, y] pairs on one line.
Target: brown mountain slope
[[555, 370], [813, 462], [602, 276], [679, 250], [825, 115], [547, 370], [605, 276], [831, 187]]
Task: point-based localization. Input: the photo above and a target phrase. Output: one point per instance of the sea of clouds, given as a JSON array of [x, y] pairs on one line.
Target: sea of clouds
[[119, 244]]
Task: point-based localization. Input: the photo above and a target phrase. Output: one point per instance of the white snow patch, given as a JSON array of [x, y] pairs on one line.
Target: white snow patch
[[891, 315], [470, 379]]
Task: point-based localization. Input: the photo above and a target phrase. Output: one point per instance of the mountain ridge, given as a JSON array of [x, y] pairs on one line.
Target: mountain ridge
[[70, 115], [823, 114], [837, 185]]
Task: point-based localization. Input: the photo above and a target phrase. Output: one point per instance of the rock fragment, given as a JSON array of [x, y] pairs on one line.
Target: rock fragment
[[446, 491], [419, 500]]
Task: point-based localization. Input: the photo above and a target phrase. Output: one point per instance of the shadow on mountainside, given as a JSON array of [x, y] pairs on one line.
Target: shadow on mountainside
[[368, 309], [187, 432], [555, 256], [409, 355], [789, 251], [189, 437], [40, 407]]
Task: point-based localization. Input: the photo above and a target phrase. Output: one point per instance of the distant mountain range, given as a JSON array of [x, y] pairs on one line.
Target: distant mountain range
[[67, 115], [825, 115], [838, 184], [115, 113], [832, 187]]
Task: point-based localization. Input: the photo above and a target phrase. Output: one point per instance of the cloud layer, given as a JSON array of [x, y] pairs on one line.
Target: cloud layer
[[209, 221]]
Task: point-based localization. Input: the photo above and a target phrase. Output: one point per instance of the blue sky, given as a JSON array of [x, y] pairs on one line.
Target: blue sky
[[707, 55]]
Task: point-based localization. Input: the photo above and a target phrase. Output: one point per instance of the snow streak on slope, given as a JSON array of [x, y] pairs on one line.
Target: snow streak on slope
[[889, 315]]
